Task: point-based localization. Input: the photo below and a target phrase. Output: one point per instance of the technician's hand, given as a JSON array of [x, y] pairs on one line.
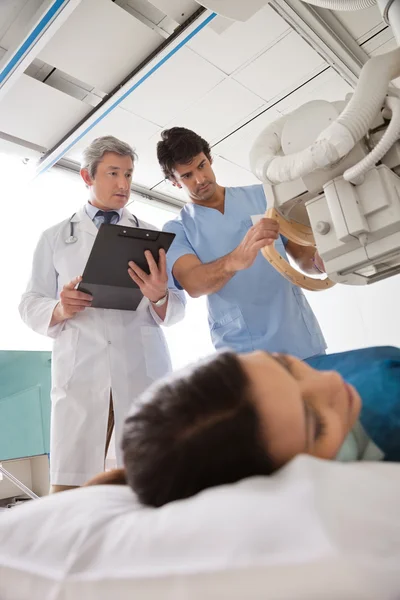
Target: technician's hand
[[264, 233], [155, 285], [71, 302]]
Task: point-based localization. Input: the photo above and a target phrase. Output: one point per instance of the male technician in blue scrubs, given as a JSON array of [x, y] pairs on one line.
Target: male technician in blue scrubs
[[216, 253]]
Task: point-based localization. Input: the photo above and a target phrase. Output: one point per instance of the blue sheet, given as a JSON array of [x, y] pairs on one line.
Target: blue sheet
[[375, 373]]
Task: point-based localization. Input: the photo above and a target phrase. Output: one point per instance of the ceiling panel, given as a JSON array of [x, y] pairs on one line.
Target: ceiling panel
[[15, 15], [123, 125], [326, 86], [256, 34], [35, 112], [147, 170], [229, 174], [178, 83], [219, 111], [100, 44], [281, 68], [236, 147]]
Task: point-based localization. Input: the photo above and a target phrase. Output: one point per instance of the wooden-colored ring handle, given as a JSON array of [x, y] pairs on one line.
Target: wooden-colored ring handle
[[296, 232], [302, 235]]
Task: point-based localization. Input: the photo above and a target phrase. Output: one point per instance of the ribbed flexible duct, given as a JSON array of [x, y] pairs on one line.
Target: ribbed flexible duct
[[356, 173], [266, 147], [339, 138], [342, 4]]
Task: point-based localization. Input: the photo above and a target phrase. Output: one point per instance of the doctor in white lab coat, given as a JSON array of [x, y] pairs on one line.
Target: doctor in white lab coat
[[102, 359]]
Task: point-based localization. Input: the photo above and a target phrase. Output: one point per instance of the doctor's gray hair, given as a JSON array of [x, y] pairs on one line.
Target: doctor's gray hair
[[93, 154]]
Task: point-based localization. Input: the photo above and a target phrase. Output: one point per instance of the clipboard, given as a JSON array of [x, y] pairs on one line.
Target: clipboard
[[106, 275]]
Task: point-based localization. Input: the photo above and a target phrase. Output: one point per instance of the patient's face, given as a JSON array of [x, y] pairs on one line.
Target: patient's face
[[301, 410]]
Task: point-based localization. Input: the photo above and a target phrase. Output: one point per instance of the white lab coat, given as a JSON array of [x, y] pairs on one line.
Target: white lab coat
[[95, 351]]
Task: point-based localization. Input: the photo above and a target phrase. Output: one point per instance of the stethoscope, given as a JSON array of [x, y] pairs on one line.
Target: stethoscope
[[72, 239]]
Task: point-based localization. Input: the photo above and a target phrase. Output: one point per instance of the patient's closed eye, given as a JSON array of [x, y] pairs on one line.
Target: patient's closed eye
[[315, 424], [283, 360], [320, 426]]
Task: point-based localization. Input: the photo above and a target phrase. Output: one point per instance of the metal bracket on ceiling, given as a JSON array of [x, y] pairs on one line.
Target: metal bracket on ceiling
[[45, 23], [324, 32], [166, 50]]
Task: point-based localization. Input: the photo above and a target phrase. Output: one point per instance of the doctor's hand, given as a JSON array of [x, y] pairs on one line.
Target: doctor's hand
[[71, 302], [155, 285], [264, 233]]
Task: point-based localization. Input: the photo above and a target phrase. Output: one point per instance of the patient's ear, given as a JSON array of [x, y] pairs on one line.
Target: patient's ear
[[114, 477]]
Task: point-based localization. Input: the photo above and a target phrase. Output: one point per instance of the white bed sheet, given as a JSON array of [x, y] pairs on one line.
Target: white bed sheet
[[314, 530]]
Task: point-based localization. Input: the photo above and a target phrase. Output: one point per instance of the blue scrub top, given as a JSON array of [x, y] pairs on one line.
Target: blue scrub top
[[257, 309]]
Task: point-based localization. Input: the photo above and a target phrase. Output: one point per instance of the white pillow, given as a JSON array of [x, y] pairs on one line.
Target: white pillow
[[315, 530]]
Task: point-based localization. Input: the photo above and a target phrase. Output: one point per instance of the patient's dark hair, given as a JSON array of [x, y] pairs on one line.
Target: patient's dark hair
[[179, 146], [192, 431]]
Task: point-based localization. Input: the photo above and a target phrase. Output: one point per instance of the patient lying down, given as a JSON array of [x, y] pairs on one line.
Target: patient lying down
[[233, 416]]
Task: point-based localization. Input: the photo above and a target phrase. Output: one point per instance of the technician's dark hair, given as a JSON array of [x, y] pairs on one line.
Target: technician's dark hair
[[179, 146], [194, 430]]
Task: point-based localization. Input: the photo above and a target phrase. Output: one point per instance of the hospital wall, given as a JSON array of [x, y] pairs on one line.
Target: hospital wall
[[359, 316]]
